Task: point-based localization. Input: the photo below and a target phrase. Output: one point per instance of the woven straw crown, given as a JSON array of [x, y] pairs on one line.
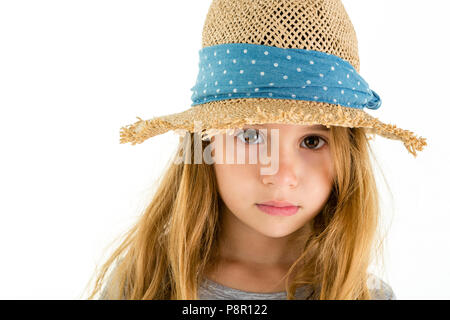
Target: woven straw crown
[[320, 25], [315, 25]]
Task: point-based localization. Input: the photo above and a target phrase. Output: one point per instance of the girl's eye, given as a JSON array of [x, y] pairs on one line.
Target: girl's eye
[[312, 142], [253, 136], [249, 136]]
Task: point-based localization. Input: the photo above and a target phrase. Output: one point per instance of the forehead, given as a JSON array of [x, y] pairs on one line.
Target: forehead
[[315, 127]]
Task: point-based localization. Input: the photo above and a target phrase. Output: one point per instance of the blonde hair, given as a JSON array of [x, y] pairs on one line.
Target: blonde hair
[[166, 253]]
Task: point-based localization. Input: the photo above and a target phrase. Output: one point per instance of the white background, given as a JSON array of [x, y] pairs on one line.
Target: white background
[[73, 72]]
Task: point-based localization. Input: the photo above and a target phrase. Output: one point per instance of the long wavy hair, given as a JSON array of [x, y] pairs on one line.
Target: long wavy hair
[[174, 241]]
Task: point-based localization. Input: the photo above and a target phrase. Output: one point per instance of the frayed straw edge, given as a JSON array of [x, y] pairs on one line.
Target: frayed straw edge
[[141, 130], [144, 129], [411, 142]]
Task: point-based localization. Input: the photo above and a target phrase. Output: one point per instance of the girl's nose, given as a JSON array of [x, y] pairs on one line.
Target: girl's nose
[[285, 173]]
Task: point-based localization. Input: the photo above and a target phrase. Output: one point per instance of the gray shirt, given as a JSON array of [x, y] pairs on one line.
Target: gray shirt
[[210, 290]]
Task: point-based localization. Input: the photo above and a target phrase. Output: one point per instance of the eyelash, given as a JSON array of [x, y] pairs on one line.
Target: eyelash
[[260, 135]]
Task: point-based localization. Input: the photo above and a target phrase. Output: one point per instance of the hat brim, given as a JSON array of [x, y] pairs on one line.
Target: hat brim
[[217, 116]]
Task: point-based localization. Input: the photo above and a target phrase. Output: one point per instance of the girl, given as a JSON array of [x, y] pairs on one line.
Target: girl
[[270, 94]]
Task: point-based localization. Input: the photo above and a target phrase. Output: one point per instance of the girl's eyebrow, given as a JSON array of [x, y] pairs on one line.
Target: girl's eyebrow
[[319, 127]]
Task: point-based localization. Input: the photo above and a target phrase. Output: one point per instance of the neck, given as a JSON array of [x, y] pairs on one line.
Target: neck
[[241, 244]]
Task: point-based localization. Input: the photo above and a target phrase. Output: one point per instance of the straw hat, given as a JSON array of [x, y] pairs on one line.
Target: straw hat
[[276, 61]]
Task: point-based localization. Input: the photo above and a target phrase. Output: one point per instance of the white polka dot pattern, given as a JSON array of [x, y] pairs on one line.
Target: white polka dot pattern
[[241, 70]]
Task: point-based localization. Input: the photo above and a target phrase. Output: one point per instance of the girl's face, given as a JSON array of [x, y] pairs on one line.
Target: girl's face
[[303, 175]]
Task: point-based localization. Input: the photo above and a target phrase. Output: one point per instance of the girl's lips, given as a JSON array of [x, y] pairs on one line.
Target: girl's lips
[[278, 211]]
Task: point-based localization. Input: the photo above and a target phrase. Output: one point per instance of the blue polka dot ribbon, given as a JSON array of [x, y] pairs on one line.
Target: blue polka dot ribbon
[[242, 70]]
